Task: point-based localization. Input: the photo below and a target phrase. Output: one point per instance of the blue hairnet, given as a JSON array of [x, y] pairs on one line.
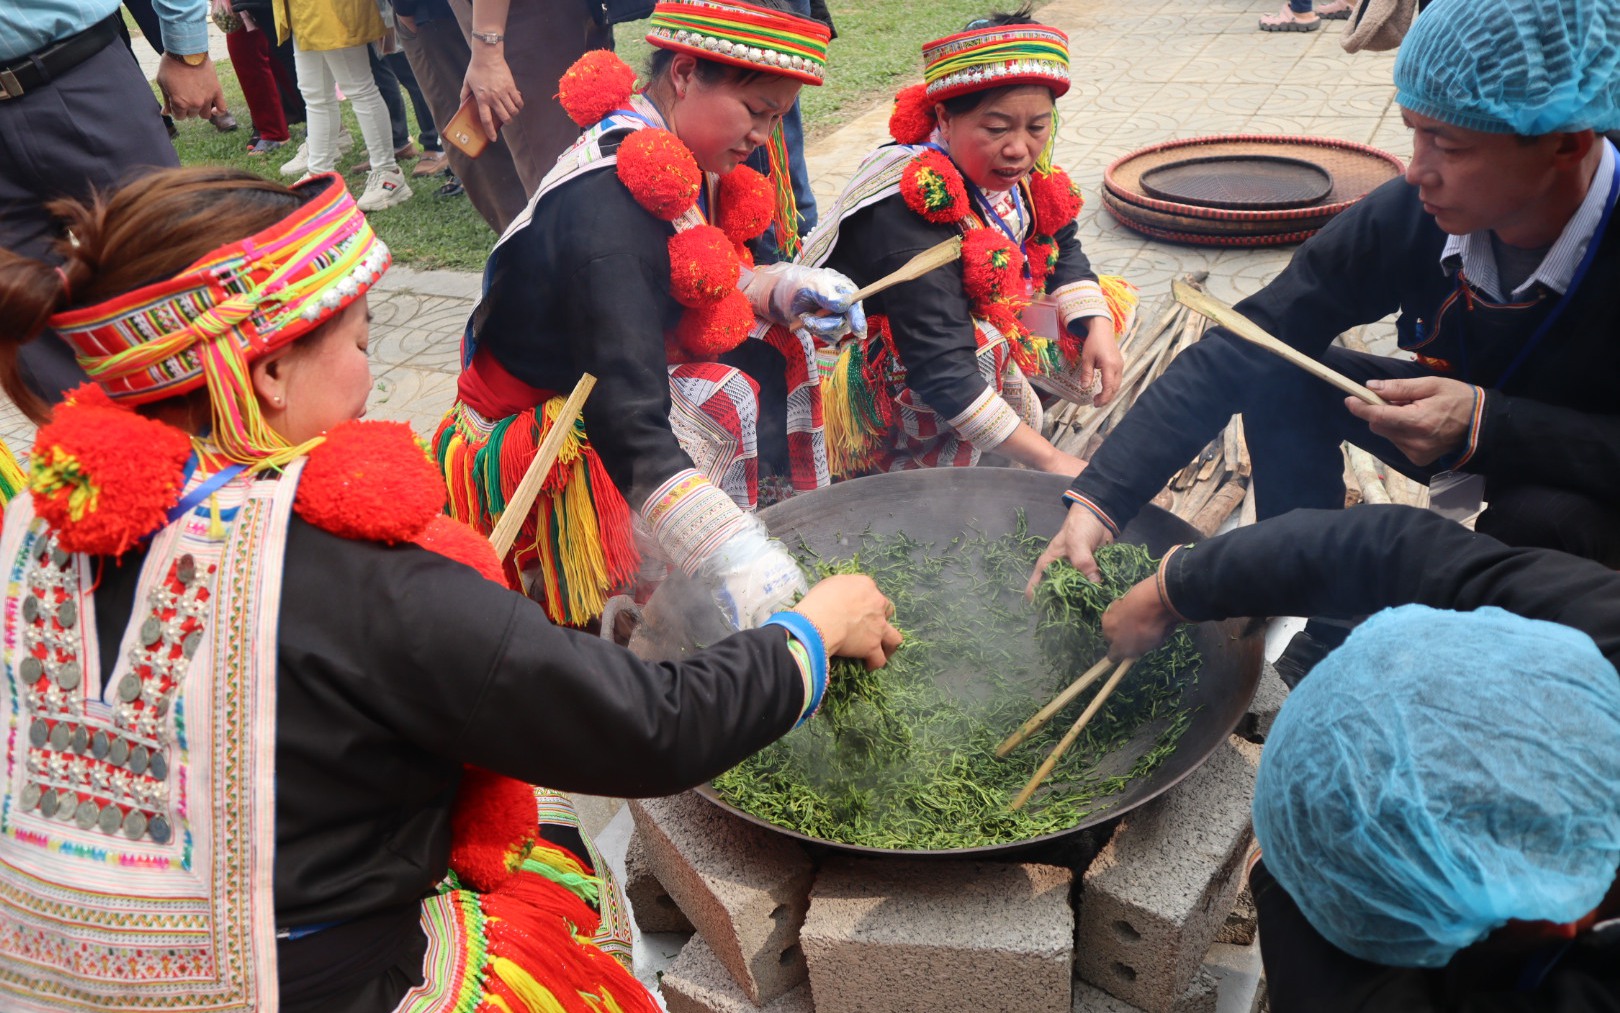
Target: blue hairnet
[[1514, 66], [1440, 774]]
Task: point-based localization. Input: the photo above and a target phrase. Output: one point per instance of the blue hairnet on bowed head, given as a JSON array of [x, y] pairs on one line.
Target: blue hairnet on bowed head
[[1440, 774], [1526, 67]]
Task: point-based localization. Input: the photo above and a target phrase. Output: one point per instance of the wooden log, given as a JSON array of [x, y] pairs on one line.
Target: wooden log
[[1220, 506], [1366, 471], [1248, 516]]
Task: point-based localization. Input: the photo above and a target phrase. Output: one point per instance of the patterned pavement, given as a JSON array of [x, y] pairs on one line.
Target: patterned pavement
[[1146, 71]]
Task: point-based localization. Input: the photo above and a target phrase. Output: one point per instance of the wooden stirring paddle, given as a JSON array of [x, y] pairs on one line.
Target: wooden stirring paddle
[[1248, 330]]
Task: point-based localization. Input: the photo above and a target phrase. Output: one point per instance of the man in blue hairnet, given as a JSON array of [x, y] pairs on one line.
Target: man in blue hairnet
[[1438, 805], [1499, 254]]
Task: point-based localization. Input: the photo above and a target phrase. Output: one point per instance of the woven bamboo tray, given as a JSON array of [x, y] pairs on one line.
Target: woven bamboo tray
[[1356, 170]]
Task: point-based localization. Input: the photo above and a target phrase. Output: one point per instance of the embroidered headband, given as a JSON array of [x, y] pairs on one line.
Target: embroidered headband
[[208, 323], [743, 35], [996, 57]]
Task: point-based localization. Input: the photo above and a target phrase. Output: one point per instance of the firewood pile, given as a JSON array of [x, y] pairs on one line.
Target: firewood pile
[[1217, 483]]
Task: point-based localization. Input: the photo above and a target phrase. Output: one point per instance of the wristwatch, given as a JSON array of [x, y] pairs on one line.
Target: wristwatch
[[191, 59], [489, 38]]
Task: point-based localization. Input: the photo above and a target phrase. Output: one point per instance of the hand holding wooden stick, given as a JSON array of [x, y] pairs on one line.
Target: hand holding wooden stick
[[545, 455], [1248, 330], [1073, 733]]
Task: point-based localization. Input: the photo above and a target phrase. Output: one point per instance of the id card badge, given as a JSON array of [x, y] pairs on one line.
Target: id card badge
[[1457, 495]]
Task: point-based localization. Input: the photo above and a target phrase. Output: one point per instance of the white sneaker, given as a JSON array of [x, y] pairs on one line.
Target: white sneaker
[[384, 189], [299, 166]]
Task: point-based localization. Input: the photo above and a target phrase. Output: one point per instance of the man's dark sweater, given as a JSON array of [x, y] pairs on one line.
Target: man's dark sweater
[[1553, 423]]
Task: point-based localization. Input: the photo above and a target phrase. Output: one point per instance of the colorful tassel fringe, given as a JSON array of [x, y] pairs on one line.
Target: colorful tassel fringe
[[579, 536]]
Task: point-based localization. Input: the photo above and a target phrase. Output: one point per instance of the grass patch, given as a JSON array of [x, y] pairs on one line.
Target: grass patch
[[878, 50]]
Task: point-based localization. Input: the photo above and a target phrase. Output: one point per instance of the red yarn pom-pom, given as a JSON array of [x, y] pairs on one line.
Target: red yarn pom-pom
[[1042, 252], [912, 121], [1056, 198], [703, 267], [933, 188], [595, 85], [493, 824], [708, 331], [747, 203], [660, 172], [992, 267], [456, 540], [371, 481], [104, 477]]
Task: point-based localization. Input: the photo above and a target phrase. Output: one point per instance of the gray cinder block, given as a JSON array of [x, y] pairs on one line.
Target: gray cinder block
[[894, 936], [655, 909], [1243, 921], [698, 983], [1202, 996], [742, 887], [1161, 888]]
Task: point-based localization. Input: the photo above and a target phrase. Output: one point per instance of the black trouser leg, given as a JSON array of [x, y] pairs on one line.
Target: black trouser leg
[[388, 84], [1293, 426], [94, 127]]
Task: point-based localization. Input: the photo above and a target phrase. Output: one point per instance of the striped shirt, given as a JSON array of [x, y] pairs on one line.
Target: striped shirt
[[30, 25], [1557, 269]]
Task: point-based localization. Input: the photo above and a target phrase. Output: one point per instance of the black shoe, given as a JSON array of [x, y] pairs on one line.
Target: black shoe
[[451, 189], [1317, 640]]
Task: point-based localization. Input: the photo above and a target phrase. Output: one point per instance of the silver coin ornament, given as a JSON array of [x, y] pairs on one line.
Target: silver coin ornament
[[110, 819], [31, 669], [159, 829], [70, 675], [119, 752], [87, 814], [135, 825], [129, 687]]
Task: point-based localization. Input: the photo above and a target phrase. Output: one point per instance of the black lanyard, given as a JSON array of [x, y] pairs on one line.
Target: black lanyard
[[1563, 300]]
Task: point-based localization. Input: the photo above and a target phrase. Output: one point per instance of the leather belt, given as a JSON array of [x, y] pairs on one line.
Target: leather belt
[[40, 67]]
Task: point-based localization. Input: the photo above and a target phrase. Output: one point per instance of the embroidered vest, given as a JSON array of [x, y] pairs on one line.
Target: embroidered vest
[[137, 806]]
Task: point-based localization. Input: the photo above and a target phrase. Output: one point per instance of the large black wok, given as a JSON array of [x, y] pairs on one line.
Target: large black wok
[[936, 505]]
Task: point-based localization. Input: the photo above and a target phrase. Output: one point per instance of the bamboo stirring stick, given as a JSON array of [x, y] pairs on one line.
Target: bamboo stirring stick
[[1073, 734], [1251, 332], [517, 508], [928, 260], [1059, 702]]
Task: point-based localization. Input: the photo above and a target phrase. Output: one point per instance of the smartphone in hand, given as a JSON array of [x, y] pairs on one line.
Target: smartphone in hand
[[465, 130]]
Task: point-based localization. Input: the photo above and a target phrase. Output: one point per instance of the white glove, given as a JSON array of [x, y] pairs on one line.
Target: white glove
[[815, 298], [751, 576]]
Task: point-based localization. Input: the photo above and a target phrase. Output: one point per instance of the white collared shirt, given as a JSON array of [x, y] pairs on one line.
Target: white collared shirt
[[1557, 268]]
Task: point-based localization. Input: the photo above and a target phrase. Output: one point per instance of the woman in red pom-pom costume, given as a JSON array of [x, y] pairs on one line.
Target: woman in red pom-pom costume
[[272, 728], [944, 375], [605, 275]]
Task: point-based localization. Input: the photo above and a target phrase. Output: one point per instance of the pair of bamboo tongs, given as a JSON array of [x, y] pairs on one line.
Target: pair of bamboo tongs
[[1059, 702]]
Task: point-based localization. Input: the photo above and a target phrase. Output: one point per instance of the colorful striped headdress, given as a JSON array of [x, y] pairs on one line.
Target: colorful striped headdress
[[743, 35], [995, 57], [208, 323]]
